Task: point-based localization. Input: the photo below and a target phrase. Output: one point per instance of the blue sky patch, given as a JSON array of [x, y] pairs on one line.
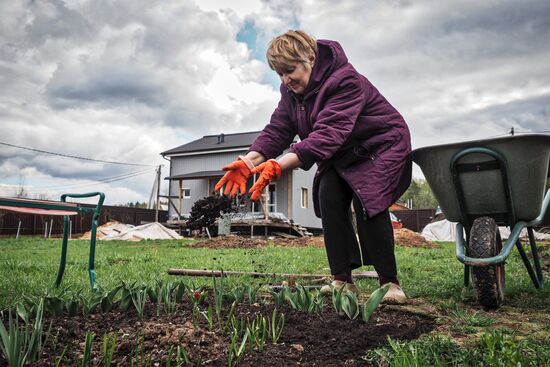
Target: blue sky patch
[[248, 35]]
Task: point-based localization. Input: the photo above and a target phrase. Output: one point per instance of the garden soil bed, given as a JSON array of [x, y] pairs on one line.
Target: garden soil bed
[[308, 339], [403, 237]]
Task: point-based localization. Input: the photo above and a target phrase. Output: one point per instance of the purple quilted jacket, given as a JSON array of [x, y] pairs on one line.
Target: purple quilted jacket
[[343, 121]]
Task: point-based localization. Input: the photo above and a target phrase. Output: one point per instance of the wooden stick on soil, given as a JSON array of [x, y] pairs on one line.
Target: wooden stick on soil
[[254, 274]]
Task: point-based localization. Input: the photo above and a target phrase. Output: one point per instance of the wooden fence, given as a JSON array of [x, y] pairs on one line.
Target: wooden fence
[[38, 224], [416, 219]]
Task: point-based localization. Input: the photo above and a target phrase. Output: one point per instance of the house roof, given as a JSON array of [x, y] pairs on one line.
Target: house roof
[[196, 175], [215, 142]]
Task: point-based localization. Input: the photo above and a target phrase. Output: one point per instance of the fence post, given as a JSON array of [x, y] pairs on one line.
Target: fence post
[[158, 195], [18, 229]]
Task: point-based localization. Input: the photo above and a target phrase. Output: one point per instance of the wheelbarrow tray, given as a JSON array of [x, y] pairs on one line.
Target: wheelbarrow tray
[[527, 159]]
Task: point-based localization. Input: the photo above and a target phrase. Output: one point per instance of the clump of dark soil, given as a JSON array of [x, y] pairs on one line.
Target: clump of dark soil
[[308, 339]]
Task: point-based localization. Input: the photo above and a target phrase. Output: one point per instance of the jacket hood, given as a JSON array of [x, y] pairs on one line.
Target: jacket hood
[[330, 56]]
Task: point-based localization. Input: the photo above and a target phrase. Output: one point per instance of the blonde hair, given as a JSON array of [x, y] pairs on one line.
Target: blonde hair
[[290, 47]]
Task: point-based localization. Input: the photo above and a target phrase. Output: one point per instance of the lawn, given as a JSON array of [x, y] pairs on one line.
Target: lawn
[[464, 333]]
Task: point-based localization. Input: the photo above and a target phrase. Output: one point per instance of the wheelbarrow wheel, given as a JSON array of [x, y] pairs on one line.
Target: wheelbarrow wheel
[[488, 281]]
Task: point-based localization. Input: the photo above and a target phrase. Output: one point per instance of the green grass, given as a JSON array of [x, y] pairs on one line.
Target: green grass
[[28, 266], [495, 348]]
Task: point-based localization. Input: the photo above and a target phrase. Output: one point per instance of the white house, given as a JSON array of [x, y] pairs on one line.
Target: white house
[[195, 168]]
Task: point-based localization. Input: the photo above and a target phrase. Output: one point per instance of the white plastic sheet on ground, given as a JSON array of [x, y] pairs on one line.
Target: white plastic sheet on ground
[[444, 230], [149, 231], [112, 229]]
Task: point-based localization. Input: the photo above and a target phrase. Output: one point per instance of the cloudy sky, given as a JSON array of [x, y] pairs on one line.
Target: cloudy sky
[[122, 81]]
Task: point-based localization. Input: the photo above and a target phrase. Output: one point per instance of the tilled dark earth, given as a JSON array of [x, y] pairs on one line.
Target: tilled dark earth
[[308, 339]]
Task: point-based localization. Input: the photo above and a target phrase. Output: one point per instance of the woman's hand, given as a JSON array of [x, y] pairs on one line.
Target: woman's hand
[[235, 178], [268, 171]]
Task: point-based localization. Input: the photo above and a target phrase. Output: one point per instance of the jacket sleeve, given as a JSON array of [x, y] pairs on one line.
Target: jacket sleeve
[[334, 122], [277, 135]]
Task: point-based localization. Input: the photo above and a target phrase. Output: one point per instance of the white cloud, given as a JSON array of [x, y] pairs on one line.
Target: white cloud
[[120, 81], [125, 80], [456, 69], [240, 7]]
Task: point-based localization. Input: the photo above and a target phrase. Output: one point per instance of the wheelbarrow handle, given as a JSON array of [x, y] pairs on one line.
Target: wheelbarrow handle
[[544, 209]]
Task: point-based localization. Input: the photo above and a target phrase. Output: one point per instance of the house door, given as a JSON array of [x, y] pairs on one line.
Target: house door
[[272, 204], [211, 184]]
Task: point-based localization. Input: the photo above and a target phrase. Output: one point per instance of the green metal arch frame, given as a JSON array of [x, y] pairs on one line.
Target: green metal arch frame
[[95, 221]]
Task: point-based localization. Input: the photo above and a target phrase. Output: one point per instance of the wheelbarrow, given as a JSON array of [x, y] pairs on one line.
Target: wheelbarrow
[[483, 184]]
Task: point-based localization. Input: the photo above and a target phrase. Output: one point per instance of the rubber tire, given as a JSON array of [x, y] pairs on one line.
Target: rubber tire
[[489, 282]]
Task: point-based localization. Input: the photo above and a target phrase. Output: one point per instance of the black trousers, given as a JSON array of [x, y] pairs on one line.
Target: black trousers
[[375, 234]]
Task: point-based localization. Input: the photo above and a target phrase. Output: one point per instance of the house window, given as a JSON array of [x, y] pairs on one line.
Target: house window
[[304, 197], [186, 193]]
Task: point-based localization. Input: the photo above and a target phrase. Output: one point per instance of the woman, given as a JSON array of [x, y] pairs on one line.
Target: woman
[[359, 141]]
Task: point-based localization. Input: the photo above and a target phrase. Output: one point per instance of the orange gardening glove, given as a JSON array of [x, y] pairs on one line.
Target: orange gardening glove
[[268, 171], [235, 178]]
